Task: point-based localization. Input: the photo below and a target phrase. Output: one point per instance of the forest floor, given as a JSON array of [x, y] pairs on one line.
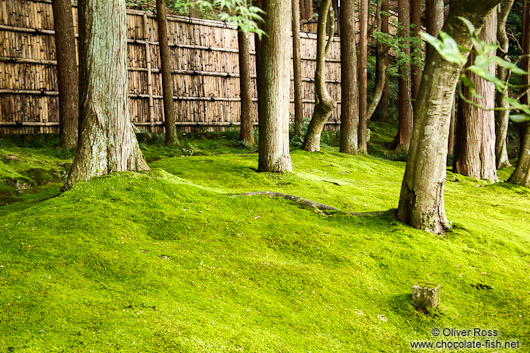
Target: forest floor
[[168, 261]]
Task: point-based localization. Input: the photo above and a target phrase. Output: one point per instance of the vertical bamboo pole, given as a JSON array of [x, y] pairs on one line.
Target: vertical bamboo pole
[[149, 75]]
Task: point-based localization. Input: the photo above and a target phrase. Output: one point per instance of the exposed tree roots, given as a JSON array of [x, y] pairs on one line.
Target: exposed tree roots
[[307, 203], [299, 200]]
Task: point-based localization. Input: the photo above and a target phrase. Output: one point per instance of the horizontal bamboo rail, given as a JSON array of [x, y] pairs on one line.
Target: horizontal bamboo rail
[[204, 65]]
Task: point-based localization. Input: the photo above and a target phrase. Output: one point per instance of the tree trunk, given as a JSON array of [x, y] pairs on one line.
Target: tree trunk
[[349, 118], [324, 103], [107, 142], [67, 76], [521, 174], [380, 72], [246, 132], [402, 140], [167, 79], [308, 7], [451, 140], [434, 19], [503, 117], [363, 77], [475, 150], [415, 20], [421, 201], [274, 86], [383, 104], [524, 63], [297, 68]]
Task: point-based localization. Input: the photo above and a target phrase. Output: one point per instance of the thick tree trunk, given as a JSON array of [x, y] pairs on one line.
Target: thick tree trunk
[[363, 76], [246, 132], [297, 68], [324, 103], [521, 174], [383, 104], [503, 117], [475, 150], [402, 140], [274, 88], [107, 142], [167, 79], [349, 118], [415, 20], [421, 202], [67, 76]]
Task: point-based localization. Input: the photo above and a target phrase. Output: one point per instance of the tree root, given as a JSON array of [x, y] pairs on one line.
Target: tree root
[[299, 200], [309, 203]]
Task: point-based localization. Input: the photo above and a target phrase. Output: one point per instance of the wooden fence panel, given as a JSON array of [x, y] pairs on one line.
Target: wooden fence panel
[[205, 68]]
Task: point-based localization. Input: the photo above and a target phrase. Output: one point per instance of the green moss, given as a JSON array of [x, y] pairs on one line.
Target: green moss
[[168, 261]]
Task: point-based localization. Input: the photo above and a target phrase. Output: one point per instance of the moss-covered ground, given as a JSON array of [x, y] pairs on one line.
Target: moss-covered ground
[[168, 261]]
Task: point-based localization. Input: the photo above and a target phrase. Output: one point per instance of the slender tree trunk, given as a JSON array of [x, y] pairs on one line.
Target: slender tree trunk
[[521, 174], [308, 7], [297, 68], [402, 140], [503, 117], [246, 132], [167, 79], [274, 86], [451, 140], [421, 203], [434, 18], [415, 20], [363, 76], [67, 76], [475, 151], [324, 103], [107, 142], [349, 118], [384, 29], [380, 72]]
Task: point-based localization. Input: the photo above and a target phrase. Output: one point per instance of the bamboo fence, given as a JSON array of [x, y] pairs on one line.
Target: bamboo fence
[[204, 64]]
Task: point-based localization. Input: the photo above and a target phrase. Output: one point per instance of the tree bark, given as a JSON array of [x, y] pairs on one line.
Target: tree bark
[[415, 20], [451, 140], [383, 105], [363, 76], [67, 75], [167, 79], [475, 148], [297, 68], [349, 118], [246, 132], [324, 103], [107, 142], [380, 72], [421, 201], [402, 140], [274, 86], [434, 19], [308, 7], [503, 117], [521, 174]]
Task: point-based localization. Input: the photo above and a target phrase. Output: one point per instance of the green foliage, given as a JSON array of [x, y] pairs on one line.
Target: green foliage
[[238, 12], [167, 262], [398, 45], [485, 57]]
